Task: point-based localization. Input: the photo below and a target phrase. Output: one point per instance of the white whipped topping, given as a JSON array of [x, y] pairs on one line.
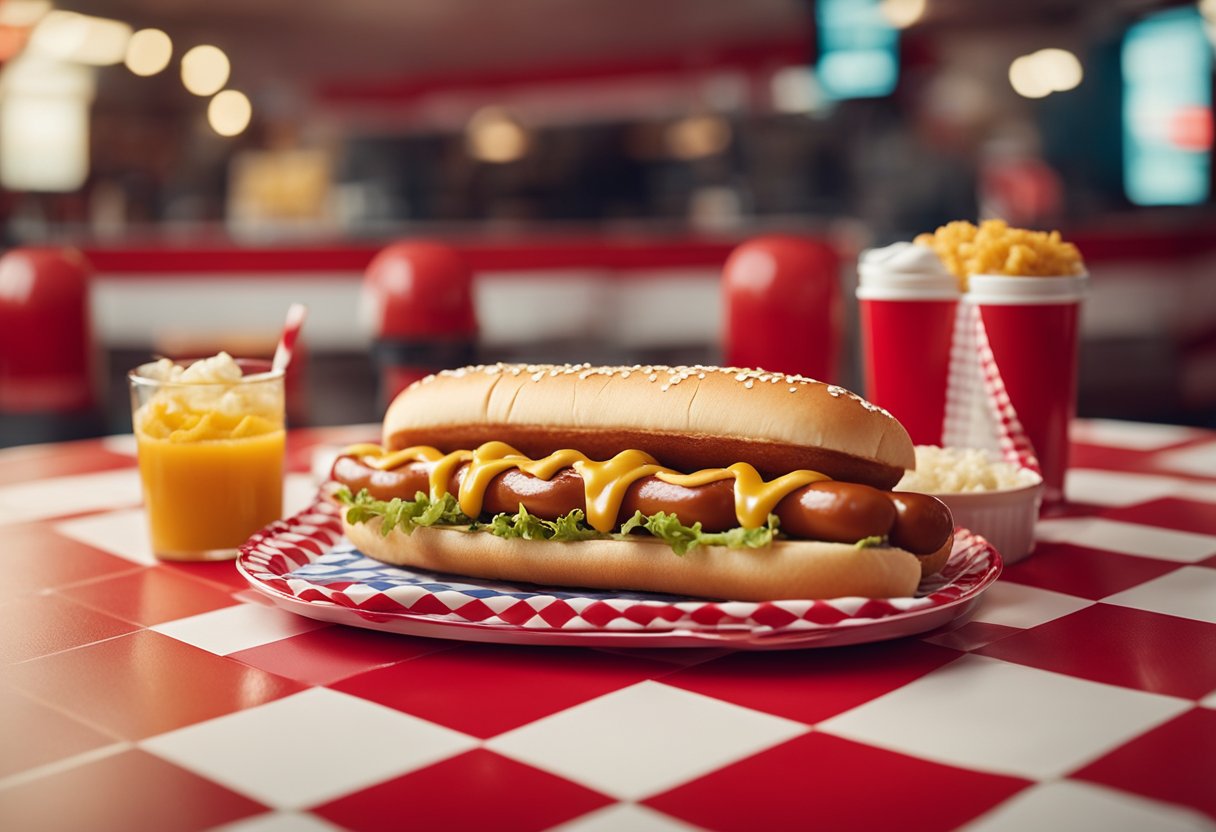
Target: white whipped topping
[[216, 384], [904, 257], [219, 368]]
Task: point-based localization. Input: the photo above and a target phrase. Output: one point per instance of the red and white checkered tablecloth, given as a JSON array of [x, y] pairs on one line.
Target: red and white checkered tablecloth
[[136, 695]]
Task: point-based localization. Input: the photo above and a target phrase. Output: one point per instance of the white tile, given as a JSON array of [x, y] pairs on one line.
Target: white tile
[[60, 496], [625, 816], [1193, 459], [298, 493], [660, 730], [983, 713], [1119, 488], [1187, 592], [1083, 807], [125, 533], [1128, 538], [1138, 436], [121, 443], [280, 822], [230, 629], [308, 748], [1017, 605], [122, 533]]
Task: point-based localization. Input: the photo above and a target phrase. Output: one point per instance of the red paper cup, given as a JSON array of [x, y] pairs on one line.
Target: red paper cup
[[1033, 329], [907, 323]]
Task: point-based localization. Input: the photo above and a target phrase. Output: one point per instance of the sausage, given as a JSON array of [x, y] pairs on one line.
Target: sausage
[[833, 511], [922, 522]]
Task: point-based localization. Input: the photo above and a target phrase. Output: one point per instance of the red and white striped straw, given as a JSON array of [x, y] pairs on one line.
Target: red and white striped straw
[[291, 331]]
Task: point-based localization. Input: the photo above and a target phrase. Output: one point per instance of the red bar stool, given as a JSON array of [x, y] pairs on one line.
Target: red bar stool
[[49, 364], [418, 297], [783, 306]]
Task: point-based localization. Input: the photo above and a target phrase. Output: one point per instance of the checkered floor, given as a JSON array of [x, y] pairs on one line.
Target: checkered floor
[[137, 695]]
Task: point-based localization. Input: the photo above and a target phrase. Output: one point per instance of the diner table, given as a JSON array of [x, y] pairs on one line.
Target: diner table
[[1078, 693]]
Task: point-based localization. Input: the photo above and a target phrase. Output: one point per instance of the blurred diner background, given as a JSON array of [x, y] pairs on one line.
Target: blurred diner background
[[443, 181]]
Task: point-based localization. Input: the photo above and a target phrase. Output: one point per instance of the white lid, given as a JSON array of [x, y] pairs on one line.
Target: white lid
[[904, 271], [1005, 289]]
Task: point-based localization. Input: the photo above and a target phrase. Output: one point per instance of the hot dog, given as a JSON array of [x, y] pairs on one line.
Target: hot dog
[[703, 481]]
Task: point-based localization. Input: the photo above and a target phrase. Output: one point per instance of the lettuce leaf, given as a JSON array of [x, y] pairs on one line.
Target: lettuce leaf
[[683, 539], [408, 515], [405, 515], [568, 527]]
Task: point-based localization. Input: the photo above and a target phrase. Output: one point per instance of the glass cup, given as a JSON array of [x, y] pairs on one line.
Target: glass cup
[[210, 458]]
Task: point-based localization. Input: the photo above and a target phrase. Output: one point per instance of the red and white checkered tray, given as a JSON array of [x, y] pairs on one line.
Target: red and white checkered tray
[[304, 565]]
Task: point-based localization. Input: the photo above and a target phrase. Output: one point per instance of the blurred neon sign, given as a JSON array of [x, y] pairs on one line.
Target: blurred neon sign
[[858, 49], [1167, 110]]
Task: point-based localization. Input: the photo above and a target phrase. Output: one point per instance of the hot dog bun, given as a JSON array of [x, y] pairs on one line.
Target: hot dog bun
[[686, 417], [784, 570]]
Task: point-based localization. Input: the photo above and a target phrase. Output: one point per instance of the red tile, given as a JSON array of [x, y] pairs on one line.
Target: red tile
[[39, 625], [37, 462], [1175, 762], [221, 573], [477, 790], [128, 791], [525, 684], [1120, 646], [321, 657], [972, 635], [34, 734], [1084, 572], [151, 596], [145, 683], [812, 782], [1170, 513], [812, 685], [35, 557], [1107, 458], [678, 656]]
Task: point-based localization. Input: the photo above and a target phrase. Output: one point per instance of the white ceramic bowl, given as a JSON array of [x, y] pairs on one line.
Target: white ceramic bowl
[[1006, 518]]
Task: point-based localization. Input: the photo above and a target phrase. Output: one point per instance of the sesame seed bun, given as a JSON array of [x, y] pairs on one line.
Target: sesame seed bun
[[686, 417]]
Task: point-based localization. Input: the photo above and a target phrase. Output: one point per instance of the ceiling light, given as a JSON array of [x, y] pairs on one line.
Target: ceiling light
[[229, 113], [81, 38], [902, 13], [1026, 79], [696, 137], [494, 135], [148, 52], [1061, 68], [205, 70], [23, 14]]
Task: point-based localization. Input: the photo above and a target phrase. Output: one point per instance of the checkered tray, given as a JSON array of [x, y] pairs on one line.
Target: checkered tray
[[303, 564]]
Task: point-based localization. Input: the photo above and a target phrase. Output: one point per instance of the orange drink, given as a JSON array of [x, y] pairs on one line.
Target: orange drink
[[211, 441]]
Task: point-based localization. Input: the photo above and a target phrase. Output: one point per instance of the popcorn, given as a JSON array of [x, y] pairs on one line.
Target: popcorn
[[961, 470], [995, 248]]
